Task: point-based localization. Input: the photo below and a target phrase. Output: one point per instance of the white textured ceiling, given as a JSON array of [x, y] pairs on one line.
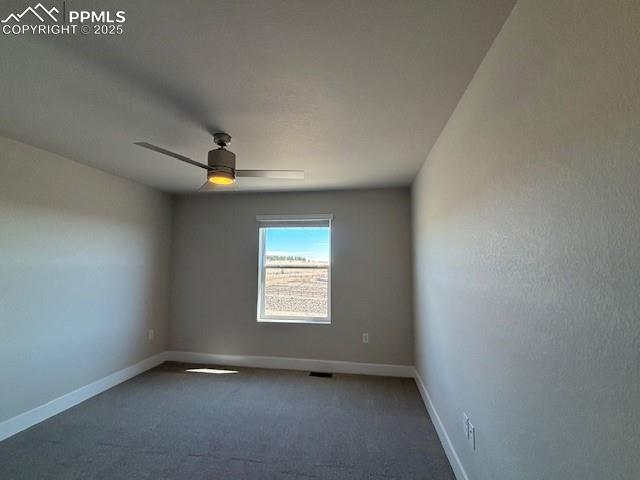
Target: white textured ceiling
[[353, 92]]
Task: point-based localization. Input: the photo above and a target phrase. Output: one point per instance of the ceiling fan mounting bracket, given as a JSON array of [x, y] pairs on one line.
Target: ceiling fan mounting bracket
[[222, 139]]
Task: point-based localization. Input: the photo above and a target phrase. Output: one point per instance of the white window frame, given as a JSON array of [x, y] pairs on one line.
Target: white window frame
[[284, 221]]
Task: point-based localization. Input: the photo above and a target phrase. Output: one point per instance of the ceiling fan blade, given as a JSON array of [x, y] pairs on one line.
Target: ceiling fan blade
[[171, 154], [277, 174], [207, 187]]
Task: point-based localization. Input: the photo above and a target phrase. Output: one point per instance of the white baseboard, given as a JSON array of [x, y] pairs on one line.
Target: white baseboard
[[28, 419], [287, 363], [454, 460]]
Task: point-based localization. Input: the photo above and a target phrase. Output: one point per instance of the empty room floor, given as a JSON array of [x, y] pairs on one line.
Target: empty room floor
[[181, 421]]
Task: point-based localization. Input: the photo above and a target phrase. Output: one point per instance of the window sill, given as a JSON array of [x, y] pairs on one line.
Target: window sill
[[295, 320]]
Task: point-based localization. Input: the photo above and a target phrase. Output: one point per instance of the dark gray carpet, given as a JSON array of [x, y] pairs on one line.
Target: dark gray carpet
[[257, 424]]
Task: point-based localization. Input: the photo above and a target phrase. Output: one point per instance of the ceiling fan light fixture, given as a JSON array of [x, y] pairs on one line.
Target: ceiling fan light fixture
[[221, 177], [221, 164]]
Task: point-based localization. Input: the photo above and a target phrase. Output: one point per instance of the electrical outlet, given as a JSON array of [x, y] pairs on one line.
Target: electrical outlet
[[151, 334], [466, 426], [365, 338]]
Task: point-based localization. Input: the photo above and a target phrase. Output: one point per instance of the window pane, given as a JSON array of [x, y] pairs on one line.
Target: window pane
[[298, 292], [296, 262]]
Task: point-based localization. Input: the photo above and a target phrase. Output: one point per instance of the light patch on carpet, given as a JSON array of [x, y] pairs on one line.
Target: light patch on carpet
[[214, 371]]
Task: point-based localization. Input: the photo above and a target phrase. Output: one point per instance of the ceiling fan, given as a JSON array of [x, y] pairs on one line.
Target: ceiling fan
[[221, 164]]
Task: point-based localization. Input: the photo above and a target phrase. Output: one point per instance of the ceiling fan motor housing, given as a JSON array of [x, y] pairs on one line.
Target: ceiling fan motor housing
[[222, 159]]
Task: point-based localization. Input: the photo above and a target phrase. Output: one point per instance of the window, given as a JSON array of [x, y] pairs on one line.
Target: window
[[294, 277]]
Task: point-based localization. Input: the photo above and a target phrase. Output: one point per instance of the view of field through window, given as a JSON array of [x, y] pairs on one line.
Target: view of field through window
[[296, 263]]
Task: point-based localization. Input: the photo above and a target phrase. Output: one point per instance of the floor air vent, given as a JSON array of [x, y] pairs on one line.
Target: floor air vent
[[321, 374]]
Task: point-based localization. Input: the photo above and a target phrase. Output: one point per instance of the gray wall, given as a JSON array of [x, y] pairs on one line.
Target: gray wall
[[527, 246], [215, 264], [83, 275]]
